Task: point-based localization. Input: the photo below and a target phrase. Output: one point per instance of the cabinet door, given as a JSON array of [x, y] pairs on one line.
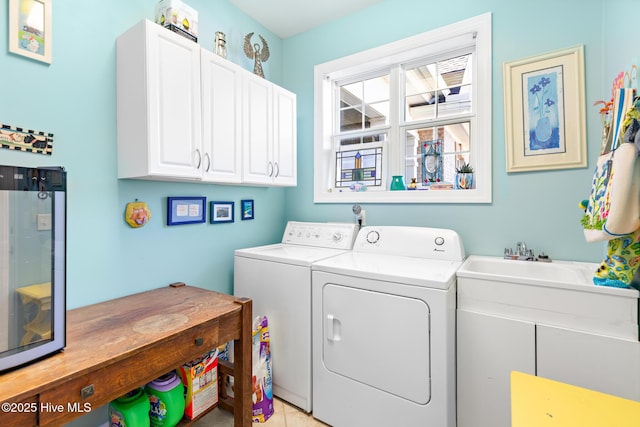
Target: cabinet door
[[221, 119], [284, 137], [258, 167], [174, 107], [596, 362], [488, 349]]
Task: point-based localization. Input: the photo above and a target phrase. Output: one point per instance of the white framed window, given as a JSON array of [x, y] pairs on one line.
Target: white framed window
[[418, 108]]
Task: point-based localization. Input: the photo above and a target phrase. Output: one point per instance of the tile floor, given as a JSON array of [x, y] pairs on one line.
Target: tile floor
[[284, 415]]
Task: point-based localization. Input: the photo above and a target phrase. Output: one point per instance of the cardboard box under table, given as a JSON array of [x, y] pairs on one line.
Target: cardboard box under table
[[200, 377]]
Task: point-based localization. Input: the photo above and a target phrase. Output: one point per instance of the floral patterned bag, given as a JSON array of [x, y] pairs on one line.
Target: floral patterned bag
[[613, 208]]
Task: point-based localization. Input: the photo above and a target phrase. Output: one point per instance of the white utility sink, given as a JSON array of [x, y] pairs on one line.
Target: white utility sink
[[565, 274], [558, 292]]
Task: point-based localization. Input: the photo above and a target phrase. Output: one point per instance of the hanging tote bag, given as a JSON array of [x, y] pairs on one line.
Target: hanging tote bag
[[613, 208]]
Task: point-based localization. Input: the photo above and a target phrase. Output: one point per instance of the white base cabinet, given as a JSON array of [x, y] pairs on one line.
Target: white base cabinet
[[186, 114], [489, 348], [499, 331], [596, 362]]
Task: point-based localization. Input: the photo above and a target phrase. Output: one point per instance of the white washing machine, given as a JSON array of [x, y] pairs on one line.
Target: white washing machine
[[278, 280], [384, 329]]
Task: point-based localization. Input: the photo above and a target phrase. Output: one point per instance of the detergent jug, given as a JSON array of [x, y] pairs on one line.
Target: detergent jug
[[130, 410], [166, 397]]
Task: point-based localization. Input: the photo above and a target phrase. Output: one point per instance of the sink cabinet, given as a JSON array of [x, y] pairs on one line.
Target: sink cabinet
[[185, 114], [587, 338]]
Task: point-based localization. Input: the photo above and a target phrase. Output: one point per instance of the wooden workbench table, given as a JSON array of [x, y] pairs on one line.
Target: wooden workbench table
[[121, 344]]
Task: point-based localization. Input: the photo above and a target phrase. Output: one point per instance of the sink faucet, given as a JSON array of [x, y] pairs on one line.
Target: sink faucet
[[524, 254]]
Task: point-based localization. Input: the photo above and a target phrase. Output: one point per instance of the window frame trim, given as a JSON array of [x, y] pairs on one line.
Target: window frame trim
[[448, 37]]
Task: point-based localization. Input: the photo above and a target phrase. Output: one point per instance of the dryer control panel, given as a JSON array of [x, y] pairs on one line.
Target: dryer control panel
[[415, 242], [335, 235]]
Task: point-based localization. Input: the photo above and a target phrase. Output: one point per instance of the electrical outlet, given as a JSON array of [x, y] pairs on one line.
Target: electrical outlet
[[361, 218], [43, 222]]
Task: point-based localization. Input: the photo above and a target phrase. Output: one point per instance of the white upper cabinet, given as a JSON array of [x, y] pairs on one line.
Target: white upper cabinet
[[159, 108], [284, 137], [221, 119], [186, 114], [269, 134]]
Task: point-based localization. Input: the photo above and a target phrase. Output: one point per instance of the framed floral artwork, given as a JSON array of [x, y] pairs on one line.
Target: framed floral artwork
[[30, 29], [544, 107]]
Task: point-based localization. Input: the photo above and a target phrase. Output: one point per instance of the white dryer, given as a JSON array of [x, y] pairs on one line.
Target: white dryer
[[384, 329], [278, 279]]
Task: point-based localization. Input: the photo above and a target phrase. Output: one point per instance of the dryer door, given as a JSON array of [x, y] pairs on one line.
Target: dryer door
[[378, 339]]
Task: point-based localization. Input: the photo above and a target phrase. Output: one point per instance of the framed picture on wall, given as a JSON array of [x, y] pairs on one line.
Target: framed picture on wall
[[544, 111], [30, 29], [186, 210], [247, 209], [221, 212]]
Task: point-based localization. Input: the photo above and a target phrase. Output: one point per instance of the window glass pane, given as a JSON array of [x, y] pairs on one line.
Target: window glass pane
[[376, 89], [350, 119], [434, 153], [364, 104], [420, 79], [377, 114], [438, 89], [421, 107], [361, 139]]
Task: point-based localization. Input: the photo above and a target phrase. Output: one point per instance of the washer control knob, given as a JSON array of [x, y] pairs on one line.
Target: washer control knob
[[373, 237], [337, 236], [439, 241]]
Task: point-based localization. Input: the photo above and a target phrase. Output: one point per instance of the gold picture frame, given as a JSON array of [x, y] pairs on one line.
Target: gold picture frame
[[30, 29], [544, 110]]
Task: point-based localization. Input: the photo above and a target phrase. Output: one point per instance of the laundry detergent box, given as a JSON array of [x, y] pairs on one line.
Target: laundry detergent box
[[200, 378], [178, 17]]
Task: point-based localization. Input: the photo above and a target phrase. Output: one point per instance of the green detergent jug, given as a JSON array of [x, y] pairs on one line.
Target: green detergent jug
[[166, 396], [130, 410]]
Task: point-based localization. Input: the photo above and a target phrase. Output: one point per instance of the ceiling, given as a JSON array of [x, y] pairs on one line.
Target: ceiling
[[286, 18]]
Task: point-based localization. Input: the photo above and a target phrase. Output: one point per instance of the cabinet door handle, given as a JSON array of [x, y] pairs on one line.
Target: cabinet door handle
[[199, 158], [270, 169], [206, 155], [277, 169]]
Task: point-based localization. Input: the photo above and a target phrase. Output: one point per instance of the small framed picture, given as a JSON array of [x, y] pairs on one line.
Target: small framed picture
[[30, 29], [186, 210], [247, 209], [221, 212]]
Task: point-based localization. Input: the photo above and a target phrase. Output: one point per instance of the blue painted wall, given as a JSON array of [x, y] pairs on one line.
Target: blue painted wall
[[540, 208], [75, 98]]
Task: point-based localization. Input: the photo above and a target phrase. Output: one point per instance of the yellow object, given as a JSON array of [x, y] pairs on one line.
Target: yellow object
[[539, 402], [137, 214], [40, 326]]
